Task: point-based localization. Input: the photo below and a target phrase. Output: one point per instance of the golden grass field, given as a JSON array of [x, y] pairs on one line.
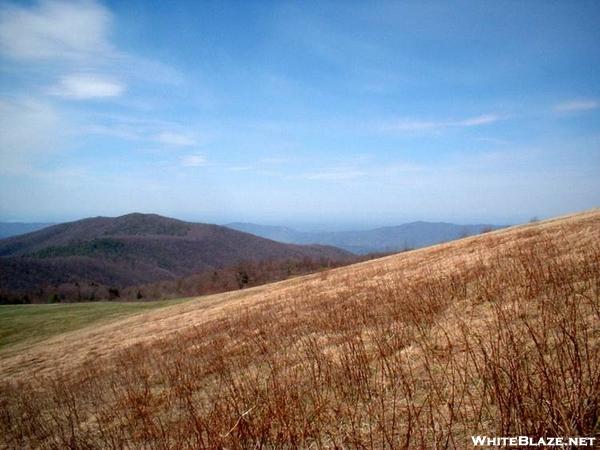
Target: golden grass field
[[497, 334]]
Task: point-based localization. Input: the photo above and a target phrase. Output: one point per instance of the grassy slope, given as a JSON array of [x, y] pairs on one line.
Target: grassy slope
[[496, 334], [22, 325]]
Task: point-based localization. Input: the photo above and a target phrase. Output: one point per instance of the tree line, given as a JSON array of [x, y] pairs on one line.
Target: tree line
[[239, 276]]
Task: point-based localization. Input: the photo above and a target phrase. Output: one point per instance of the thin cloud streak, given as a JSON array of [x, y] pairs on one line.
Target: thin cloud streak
[[577, 105], [349, 172], [164, 133], [421, 125]]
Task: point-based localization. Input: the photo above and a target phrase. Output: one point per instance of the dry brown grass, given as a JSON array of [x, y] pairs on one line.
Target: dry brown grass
[[497, 334]]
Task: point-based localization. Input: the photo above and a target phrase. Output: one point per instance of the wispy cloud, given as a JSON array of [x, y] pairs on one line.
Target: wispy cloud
[[349, 172], [67, 45], [193, 160], [54, 30], [475, 121], [163, 133], [87, 86], [432, 125], [175, 139], [577, 105], [74, 36]]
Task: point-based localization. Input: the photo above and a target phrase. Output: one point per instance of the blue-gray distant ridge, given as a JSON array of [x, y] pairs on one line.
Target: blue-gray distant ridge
[[385, 239]]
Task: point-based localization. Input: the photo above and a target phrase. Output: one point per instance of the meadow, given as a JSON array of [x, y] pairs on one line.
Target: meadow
[[27, 324], [497, 334]]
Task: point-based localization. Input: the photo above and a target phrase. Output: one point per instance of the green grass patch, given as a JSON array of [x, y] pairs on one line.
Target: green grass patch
[[31, 323]]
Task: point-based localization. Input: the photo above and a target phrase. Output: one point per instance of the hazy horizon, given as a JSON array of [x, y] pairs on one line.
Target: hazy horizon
[[312, 225], [303, 226], [356, 115]]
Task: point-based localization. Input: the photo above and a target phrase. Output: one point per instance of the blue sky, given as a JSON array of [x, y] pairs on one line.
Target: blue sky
[[345, 113]]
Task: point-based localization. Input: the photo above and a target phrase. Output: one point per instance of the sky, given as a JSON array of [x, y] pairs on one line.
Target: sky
[[342, 113]]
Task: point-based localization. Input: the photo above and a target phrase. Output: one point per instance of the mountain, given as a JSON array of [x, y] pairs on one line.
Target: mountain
[[8, 229], [385, 239], [134, 249]]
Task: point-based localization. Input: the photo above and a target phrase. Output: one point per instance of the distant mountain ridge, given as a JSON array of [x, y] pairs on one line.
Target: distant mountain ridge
[[134, 249], [384, 239], [8, 229]]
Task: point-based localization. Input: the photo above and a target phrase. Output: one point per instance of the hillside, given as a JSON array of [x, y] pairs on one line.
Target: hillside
[[495, 335], [135, 249], [385, 239]]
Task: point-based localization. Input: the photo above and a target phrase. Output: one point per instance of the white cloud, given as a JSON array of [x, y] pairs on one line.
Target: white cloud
[[420, 125], [54, 29], [87, 86], [74, 35], [175, 139], [577, 105], [194, 160]]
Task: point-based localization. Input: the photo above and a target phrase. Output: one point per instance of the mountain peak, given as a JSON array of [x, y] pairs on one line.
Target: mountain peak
[[137, 248]]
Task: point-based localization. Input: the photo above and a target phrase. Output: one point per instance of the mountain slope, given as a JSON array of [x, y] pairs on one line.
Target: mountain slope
[[384, 239], [133, 249], [492, 335]]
